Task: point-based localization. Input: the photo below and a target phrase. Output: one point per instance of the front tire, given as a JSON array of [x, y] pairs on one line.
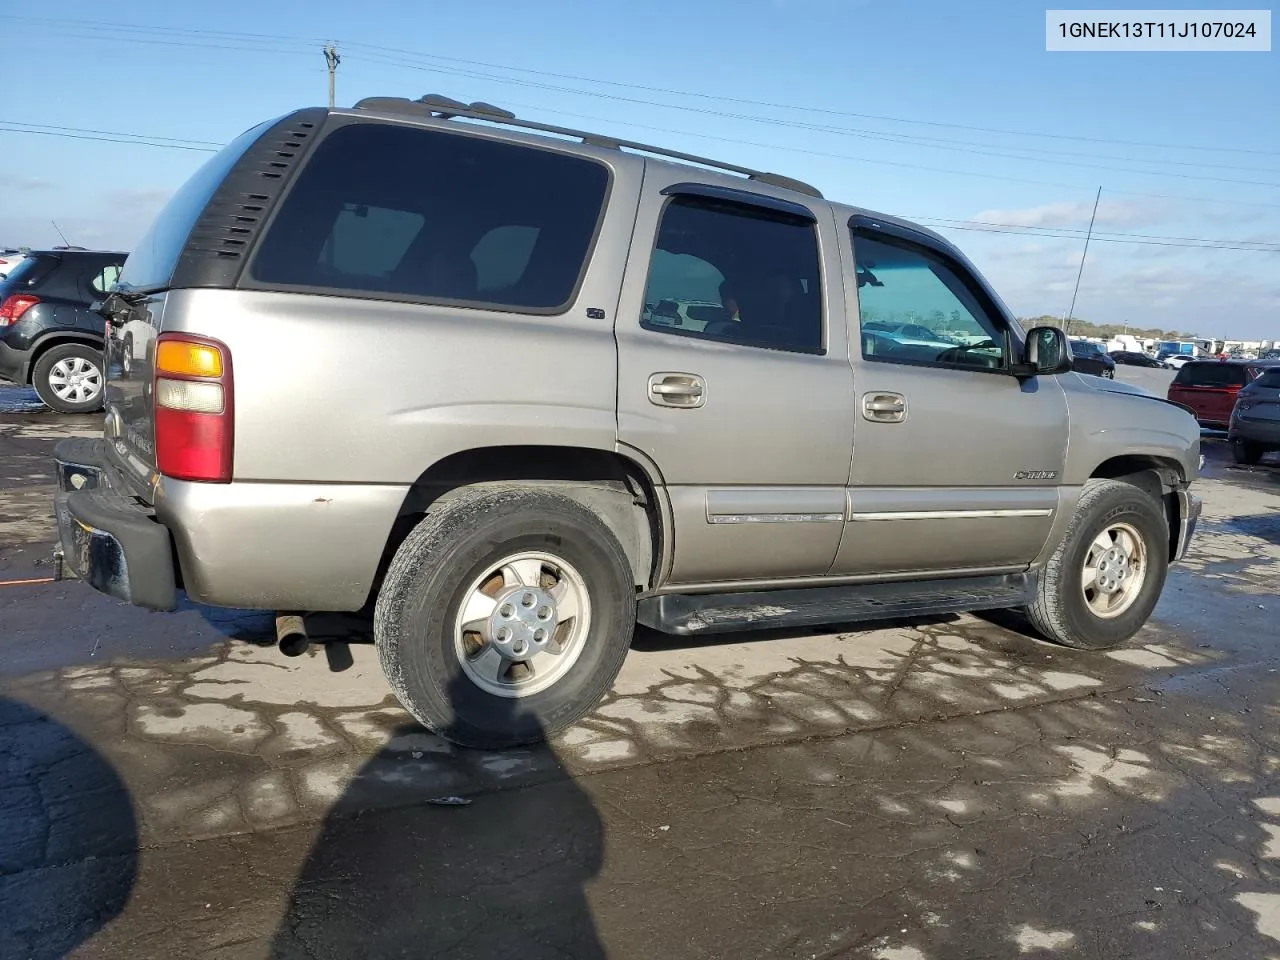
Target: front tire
[[69, 378], [505, 616], [1101, 584]]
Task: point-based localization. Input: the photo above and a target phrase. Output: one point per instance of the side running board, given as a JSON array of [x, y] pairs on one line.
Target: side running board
[[685, 614]]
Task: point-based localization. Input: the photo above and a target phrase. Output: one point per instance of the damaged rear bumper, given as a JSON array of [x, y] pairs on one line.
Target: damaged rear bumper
[[108, 538]]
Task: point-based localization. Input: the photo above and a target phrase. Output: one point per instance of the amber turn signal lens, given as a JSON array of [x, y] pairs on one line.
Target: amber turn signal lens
[[188, 359]]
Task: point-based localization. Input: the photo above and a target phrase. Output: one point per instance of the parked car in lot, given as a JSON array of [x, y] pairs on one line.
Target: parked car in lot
[[1255, 419], [1209, 387], [1179, 360], [528, 465], [1088, 357], [1132, 358], [49, 336]]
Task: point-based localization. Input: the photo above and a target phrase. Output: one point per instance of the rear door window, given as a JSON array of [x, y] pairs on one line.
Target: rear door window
[[415, 214], [1210, 375]]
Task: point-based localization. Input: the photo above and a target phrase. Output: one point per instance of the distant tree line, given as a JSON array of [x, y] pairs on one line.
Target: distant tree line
[[1083, 328]]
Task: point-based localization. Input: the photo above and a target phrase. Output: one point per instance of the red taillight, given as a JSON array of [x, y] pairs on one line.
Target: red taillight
[[14, 307], [194, 418]]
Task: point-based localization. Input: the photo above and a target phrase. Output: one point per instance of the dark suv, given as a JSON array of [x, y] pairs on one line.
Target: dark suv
[[1088, 357], [49, 336]]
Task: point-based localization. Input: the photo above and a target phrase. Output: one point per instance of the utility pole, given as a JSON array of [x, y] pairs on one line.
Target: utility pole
[[332, 59], [1066, 321]]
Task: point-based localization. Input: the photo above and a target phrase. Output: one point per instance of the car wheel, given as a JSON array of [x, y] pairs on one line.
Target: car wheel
[[1245, 452], [1103, 581], [69, 378], [505, 616], [1109, 374]]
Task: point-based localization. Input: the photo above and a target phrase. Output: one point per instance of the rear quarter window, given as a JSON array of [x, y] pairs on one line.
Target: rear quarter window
[[1210, 375], [1270, 379], [413, 214], [151, 264]]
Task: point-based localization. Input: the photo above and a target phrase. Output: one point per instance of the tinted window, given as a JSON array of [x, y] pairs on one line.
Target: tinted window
[[150, 266], [106, 278], [915, 308], [759, 266], [27, 274], [1210, 375], [420, 214], [1270, 378]]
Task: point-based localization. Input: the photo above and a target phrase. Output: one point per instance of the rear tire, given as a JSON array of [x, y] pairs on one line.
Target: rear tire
[[1245, 452], [482, 542], [69, 378], [1119, 535]]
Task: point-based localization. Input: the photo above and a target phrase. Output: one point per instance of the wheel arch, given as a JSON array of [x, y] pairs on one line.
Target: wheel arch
[[58, 338], [1162, 478], [625, 492]]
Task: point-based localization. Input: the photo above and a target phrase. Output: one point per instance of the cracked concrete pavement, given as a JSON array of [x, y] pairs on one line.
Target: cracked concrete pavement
[[170, 785]]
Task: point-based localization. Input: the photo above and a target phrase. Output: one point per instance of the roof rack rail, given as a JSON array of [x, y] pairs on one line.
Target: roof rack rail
[[446, 108]]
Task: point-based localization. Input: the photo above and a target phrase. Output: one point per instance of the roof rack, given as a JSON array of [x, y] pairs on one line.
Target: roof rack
[[446, 108]]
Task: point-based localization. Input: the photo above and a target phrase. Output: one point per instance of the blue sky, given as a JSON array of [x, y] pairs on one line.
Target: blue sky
[[897, 106]]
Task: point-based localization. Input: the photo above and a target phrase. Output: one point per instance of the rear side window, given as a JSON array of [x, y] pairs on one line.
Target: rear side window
[[1270, 379], [1210, 375], [753, 271], [421, 214]]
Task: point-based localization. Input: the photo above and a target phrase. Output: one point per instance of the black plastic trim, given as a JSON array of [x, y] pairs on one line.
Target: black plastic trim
[[746, 197], [218, 247], [685, 614]]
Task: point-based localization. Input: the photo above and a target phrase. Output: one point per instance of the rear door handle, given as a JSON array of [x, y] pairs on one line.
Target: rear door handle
[[884, 407], [677, 390]]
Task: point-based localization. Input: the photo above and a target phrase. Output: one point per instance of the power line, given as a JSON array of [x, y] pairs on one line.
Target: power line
[[129, 138], [797, 124], [148, 136], [100, 25], [889, 163], [1097, 239], [913, 140], [1075, 233]]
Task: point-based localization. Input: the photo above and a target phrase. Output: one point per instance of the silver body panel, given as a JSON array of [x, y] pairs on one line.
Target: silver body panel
[[772, 479]]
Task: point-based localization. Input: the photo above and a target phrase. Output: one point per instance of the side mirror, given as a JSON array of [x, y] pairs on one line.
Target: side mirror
[[1047, 352]]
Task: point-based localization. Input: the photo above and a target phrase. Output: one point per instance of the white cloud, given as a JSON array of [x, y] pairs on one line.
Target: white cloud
[[1074, 214], [16, 181]]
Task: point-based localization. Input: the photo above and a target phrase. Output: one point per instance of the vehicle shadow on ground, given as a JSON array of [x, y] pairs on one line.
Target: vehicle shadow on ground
[[498, 875], [68, 837]]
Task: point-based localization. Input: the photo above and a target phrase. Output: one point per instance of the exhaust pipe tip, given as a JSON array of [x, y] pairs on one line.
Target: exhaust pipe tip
[[291, 635]]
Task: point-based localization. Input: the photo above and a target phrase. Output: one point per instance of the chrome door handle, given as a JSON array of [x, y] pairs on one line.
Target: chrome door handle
[[884, 407], [677, 390]]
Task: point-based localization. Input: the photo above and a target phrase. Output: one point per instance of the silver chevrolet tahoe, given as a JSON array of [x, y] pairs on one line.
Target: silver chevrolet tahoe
[[511, 388]]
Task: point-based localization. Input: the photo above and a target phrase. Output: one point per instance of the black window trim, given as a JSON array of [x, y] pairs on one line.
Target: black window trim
[[746, 199], [897, 235], [247, 281]]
